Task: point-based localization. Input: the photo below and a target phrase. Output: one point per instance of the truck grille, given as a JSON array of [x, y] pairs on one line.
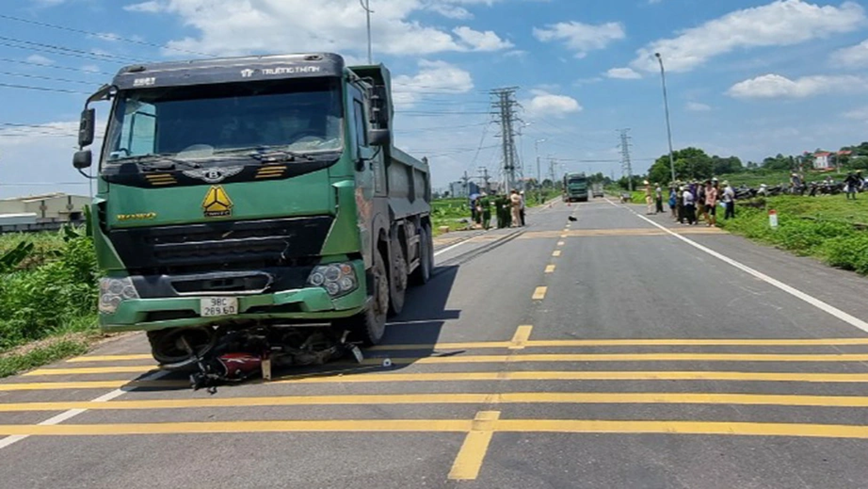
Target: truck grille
[[232, 245]]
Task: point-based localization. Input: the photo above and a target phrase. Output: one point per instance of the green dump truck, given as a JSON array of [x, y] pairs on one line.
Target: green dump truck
[[575, 187], [257, 194]]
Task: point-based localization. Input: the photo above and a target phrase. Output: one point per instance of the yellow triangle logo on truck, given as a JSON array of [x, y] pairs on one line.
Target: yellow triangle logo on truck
[[217, 202]]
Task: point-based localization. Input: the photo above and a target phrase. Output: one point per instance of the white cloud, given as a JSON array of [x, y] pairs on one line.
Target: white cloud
[[433, 77], [90, 68], [545, 104], [777, 86], [860, 114], [39, 59], [451, 11], [516, 53], [698, 107], [856, 56], [481, 41], [623, 74], [151, 7], [580, 37], [780, 23], [230, 27]]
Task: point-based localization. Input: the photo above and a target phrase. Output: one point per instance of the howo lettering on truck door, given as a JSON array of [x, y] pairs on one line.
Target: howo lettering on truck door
[[279, 213]]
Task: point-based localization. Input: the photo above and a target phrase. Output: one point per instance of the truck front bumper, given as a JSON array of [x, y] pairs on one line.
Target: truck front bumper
[[312, 304]]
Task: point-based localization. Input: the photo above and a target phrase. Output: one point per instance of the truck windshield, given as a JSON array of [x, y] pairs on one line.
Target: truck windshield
[[578, 182], [195, 123]]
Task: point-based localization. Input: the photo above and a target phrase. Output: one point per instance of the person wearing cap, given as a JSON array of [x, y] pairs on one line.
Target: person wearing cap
[[658, 199], [712, 192], [485, 207], [689, 207], [515, 205], [672, 200], [522, 208], [649, 199], [679, 202], [728, 201]]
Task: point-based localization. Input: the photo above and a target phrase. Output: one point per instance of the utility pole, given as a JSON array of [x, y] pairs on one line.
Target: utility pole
[[505, 107], [485, 178], [626, 165], [465, 179], [552, 163], [366, 5], [666, 106]]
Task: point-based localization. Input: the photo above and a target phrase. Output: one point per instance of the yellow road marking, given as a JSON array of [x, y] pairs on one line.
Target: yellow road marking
[[550, 269], [454, 398], [522, 333], [130, 369], [357, 426], [563, 343], [353, 378], [577, 233], [627, 357], [540, 293], [682, 428], [450, 426], [542, 357], [469, 460], [556, 253], [90, 384]]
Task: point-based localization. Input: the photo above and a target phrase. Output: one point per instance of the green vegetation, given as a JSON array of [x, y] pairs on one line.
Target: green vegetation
[[39, 355], [48, 289], [821, 227]]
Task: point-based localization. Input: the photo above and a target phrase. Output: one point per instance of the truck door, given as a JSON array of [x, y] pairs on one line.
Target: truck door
[[366, 183]]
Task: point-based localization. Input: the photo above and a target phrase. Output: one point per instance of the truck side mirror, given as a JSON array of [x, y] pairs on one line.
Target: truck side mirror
[[379, 137], [86, 128], [82, 159]]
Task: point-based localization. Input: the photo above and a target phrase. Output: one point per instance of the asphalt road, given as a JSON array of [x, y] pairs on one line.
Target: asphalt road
[[613, 351]]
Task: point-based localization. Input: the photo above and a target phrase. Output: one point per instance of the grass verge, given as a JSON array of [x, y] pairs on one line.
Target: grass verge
[[42, 353], [820, 227]]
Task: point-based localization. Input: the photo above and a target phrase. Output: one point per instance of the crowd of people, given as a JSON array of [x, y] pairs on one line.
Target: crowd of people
[[690, 202], [509, 210]]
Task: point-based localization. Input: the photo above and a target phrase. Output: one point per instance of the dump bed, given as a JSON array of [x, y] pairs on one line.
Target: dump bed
[[409, 185]]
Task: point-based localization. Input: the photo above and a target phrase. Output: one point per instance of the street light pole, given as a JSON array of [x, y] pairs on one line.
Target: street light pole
[[366, 5], [538, 170], [666, 106]]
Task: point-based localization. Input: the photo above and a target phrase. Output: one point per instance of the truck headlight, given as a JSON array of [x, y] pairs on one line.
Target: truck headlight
[[113, 291], [337, 278]]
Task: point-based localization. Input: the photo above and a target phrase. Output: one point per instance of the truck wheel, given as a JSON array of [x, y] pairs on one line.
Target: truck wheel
[[397, 279], [426, 258], [169, 346], [369, 326]]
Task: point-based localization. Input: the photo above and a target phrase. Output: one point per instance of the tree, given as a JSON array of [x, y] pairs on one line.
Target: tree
[[690, 164], [721, 166]]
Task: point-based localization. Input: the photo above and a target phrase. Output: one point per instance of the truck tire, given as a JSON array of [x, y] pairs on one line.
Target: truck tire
[[426, 258], [369, 326], [397, 279], [168, 349]]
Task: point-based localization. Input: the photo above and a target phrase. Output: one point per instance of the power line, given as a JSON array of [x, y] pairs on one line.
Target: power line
[[111, 37], [42, 89], [54, 67], [49, 78], [59, 53]]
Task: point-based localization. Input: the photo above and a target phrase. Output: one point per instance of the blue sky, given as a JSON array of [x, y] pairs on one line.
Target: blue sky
[[746, 78]]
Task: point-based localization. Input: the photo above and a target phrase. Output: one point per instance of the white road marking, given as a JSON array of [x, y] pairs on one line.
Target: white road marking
[[450, 248], [66, 415], [834, 311]]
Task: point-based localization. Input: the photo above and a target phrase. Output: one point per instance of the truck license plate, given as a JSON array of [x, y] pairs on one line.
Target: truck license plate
[[218, 306]]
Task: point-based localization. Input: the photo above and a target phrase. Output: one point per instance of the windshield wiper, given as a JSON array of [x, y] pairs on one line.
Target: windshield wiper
[[267, 154], [158, 162]]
